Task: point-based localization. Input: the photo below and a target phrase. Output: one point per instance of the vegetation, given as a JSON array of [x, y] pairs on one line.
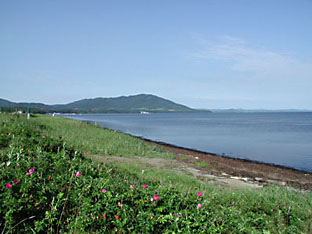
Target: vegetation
[[202, 164], [130, 104], [48, 186], [89, 138]]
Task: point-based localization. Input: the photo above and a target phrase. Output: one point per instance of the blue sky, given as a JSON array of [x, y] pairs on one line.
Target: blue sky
[[205, 54]]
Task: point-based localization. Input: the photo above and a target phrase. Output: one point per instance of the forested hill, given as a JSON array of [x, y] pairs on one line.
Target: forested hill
[[123, 104]]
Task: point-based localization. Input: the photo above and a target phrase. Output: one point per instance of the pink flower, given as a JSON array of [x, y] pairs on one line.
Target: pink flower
[[8, 185], [144, 185], [32, 170], [199, 194], [265, 214], [178, 215], [78, 174], [104, 191], [156, 197], [131, 186], [199, 205], [15, 181]]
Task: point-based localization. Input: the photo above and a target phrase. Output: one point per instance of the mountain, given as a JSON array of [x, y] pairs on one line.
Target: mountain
[[4, 102], [132, 104]]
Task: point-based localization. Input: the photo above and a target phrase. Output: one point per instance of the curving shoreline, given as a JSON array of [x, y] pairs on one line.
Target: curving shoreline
[[237, 168], [277, 139], [234, 168], [160, 143], [260, 172]]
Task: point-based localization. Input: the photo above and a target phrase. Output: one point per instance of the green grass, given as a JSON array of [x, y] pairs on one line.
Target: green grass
[[182, 181], [202, 164], [66, 203], [95, 140], [183, 157], [92, 139]]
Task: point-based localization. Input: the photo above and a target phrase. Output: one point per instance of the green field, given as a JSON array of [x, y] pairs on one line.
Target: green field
[[66, 192]]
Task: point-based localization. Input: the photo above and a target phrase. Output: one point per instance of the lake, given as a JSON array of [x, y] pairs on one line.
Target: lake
[[277, 138]]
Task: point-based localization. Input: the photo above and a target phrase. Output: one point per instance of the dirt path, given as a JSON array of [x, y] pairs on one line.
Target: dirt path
[[181, 167]]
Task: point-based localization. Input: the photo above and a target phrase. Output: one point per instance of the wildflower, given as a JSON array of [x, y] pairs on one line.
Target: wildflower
[[104, 216], [32, 170], [116, 217], [120, 204], [199, 194], [265, 214], [131, 186], [15, 181], [199, 205], [144, 185], [8, 185], [104, 191], [49, 178], [78, 174], [178, 215], [156, 197]]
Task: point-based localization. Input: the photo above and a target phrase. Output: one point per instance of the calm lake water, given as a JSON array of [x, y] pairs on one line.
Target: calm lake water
[[278, 138]]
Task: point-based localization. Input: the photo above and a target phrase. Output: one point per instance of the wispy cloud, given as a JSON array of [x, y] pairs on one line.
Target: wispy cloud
[[243, 57]]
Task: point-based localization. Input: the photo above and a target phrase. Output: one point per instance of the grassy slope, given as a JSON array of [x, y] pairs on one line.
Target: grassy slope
[[271, 210], [92, 139]]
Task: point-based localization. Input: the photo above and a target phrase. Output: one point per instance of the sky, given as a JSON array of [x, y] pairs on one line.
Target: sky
[[205, 54]]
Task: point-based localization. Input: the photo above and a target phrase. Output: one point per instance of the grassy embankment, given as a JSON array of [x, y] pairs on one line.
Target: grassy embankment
[[67, 193], [91, 139]]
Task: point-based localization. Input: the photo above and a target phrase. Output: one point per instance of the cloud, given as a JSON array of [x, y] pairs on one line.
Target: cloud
[[245, 58]]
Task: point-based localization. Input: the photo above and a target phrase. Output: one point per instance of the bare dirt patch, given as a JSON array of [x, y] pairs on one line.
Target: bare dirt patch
[[181, 167]]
